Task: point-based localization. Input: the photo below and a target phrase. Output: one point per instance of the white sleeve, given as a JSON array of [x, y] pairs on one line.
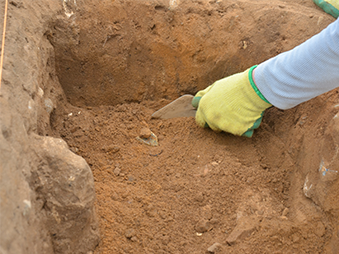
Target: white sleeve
[[298, 75]]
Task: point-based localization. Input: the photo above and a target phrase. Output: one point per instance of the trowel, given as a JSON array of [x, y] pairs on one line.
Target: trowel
[[180, 107]]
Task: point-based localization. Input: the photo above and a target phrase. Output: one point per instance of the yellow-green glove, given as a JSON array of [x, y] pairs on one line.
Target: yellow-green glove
[[329, 6], [233, 104]]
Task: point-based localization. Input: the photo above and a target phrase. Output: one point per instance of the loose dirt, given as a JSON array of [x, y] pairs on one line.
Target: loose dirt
[[196, 188], [197, 191]]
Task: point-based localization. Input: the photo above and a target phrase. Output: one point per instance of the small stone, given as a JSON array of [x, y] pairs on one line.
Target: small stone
[[245, 227], [320, 229], [134, 239], [130, 233], [214, 248], [145, 133], [40, 92], [202, 226], [285, 212], [295, 238], [214, 221], [259, 213], [27, 207], [214, 163], [49, 105], [206, 212], [117, 171], [111, 149], [199, 197]]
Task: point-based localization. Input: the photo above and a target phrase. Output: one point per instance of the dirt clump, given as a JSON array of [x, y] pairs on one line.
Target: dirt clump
[[145, 133]]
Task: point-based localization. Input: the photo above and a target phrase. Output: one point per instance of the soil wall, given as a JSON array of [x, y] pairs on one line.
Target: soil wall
[[46, 191], [112, 52]]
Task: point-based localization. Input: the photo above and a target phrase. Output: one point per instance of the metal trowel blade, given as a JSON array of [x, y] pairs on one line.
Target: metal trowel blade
[[180, 107]]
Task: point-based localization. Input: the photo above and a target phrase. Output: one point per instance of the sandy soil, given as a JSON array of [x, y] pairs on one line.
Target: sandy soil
[[196, 188], [92, 73]]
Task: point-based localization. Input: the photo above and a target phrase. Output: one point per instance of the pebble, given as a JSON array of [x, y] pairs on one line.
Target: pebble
[[117, 171], [202, 226], [214, 221], [285, 212], [214, 248], [111, 149], [130, 233], [145, 133], [114, 196], [206, 212], [49, 105], [244, 228], [199, 197]]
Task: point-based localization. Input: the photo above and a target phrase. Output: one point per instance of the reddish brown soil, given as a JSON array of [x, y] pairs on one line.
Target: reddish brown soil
[[92, 72], [197, 187], [158, 199]]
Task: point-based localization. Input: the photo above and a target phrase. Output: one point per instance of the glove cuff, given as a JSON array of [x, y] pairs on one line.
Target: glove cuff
[[330, 7], [254, 86]]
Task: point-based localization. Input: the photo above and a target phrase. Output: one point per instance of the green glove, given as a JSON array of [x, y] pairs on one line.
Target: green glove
[[233, 104], [329, 6]]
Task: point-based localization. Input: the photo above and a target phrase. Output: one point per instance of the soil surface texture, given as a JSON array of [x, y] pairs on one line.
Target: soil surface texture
[[196, 188], [85, 169]]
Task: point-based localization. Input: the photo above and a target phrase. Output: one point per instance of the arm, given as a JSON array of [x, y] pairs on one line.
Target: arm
[[302, 73], [237, 103]]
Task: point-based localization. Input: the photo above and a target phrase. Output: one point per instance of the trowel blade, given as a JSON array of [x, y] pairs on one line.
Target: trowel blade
[[180, 107]]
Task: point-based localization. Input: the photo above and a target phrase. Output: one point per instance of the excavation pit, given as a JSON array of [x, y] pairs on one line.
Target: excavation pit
[[196, 187], [107, 66]]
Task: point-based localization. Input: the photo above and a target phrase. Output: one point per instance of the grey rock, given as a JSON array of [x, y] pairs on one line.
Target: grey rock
[[65, 182]]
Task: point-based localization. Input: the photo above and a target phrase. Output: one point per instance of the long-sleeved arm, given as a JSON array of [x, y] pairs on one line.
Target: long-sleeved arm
[[298, 75]]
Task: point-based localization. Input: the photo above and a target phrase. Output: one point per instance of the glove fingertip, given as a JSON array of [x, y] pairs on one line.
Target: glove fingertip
[[200, 120], [195, 101], [248, 134], [257, 123]]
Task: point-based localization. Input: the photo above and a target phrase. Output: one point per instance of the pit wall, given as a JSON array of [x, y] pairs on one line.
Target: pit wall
[[318, 162], [112, 52], [308, 135], [46, 191]]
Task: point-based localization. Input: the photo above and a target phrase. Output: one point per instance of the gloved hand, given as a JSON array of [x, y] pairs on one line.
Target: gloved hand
[[329, 6], [233, 104]]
